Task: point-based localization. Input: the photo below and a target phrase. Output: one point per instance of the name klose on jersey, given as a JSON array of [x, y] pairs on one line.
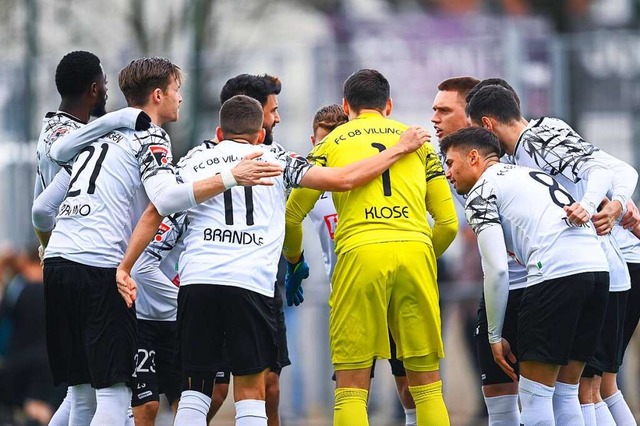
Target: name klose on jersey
[[386, 212]]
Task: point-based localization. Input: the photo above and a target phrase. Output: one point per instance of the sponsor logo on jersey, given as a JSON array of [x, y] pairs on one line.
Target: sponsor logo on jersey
[[162, 229], [67, 209], [160, 154], [58, 133], [331, 220], [143, 395]]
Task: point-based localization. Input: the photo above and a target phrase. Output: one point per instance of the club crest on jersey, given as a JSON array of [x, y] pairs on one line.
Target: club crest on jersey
[[58, 133], [159, 154], [162, 229]]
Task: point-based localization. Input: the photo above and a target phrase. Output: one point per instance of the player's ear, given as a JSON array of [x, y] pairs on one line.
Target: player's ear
[[345, 106], [388, 107], [93, 90], [261, 135], [157, 95], [487, 123], [313, 140], [219, 135]]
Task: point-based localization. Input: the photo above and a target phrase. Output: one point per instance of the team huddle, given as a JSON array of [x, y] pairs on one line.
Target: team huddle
[[160, 278]]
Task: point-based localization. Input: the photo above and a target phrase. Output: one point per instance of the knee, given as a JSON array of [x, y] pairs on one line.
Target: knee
[[272, 395], [220, 392]]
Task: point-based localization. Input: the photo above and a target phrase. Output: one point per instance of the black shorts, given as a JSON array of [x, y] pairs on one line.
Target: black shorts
[[491, 373], [281, 330], [608, 355], [157, 368], [91, 334], [559, 318], [214, 317], [632, 315]]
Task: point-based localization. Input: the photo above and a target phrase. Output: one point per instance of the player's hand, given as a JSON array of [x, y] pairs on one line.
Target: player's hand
[[576, 214], [632, 217], [605, 219], [296, 272], [502, 353], [248, 172], [413, 138], [127, 287]]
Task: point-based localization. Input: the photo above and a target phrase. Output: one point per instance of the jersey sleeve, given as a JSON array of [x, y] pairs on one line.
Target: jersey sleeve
[[318, 154], [169, 233], [433, 165], [440, 206], [154, 155], [481, 208], [295, 167], [299, 204], [45, 207]]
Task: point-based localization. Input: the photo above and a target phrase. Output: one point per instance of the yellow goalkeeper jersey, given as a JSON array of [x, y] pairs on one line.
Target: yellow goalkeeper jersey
[[391, 207]]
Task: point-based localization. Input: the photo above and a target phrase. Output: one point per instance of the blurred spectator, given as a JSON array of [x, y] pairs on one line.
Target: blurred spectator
[[25, 381]]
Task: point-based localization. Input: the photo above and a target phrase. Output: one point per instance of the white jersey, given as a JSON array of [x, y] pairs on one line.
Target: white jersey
[[629, 244], [54, 125], [551, 145], [106, 196], [528, 205], [325, 219], [235, 239], [156, 271]]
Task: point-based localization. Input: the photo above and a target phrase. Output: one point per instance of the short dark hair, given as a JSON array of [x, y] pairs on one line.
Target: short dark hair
[[462, 85], [142, 76], [489, 82], [258, 87], [472, 138], [241, 115], [329, 117], [76, 72], [493, 101], [366, 89]]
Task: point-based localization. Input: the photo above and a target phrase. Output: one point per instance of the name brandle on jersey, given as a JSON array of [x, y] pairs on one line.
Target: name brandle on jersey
[[233, 237]]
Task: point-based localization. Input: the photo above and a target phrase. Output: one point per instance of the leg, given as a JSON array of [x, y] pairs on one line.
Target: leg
[[566, 405], [83, 404], [272, 396], [249, 392], [112, 404], [425, 385], [536, 388], [220, 392], [145, 414], [61, 416], [615, 401], [351, 395]]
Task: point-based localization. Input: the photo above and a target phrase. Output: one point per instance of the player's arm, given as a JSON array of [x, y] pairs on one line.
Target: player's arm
[[493, 251], [599, 181], [346, 178], [170, 197], [440, 206], [68, 146], [624, 179], [299, 204], [45, 207]]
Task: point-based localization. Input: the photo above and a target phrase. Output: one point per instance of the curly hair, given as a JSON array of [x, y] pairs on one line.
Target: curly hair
[[329, 117], [258, 87], [76, 72]]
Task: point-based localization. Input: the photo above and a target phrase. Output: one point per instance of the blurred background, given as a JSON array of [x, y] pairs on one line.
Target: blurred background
[[575, 59]]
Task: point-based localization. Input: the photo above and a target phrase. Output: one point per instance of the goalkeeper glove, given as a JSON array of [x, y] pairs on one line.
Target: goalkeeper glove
[[296, 272]]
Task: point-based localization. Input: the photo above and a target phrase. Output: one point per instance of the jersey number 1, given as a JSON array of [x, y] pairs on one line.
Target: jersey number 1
[[96, 169], [386, 177]]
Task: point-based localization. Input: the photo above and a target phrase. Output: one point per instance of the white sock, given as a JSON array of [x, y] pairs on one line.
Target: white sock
[[537, 403], [192, 409], [129, 420], [620, 410], [566, 406], [251, 412], [589, 414], [112, 404], [503, 410], [83, 404], [410, 417], [61, 416], [603, 415]]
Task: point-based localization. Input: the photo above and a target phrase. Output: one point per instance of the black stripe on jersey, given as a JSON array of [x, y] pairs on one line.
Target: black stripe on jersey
[[539, 122], [210, 144], [248, 196], [228, 207]]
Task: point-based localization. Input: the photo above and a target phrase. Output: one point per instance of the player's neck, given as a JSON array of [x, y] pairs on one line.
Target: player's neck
[[354, 114], [510, 134], [75, 109]]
